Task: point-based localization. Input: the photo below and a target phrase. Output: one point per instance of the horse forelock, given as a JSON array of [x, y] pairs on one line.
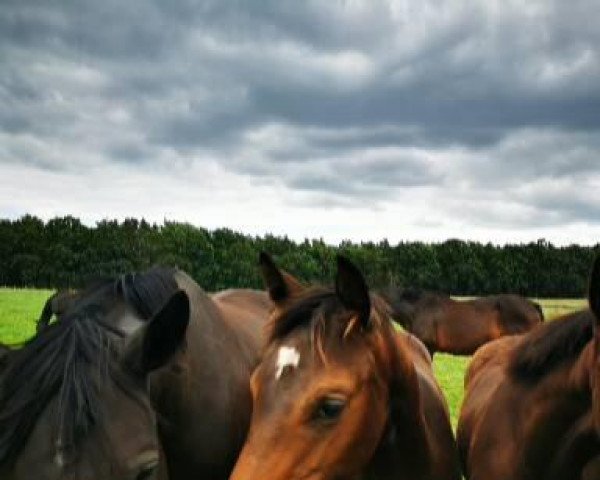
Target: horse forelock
[[329, 324]]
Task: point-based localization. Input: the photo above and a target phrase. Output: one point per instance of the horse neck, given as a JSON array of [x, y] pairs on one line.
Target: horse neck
[[206, 391], [575, 442], [209, 337], [404, 446], [565, 389], [579, 372], [585, 375]]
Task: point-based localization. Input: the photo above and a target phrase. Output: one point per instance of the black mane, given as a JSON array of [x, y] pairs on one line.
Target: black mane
[[551, 345], [72, 359], [147, 291]]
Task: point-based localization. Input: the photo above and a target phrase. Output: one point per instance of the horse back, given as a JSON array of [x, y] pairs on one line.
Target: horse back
[[516, 314], [246, 312]]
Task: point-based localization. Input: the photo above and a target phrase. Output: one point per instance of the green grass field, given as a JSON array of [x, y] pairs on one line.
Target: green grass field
[[20, 308]]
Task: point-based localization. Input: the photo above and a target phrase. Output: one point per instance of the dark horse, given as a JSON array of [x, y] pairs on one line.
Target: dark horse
[[532, 404], [56, 305], [4, 351], [201, 398], [339, 394], [461, 327], [74, 400]]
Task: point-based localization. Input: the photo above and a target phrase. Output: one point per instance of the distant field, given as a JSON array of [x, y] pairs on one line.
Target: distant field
[[19, 309]]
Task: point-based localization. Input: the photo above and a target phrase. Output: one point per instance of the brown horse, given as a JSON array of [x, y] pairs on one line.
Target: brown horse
[[339, 394], [461, 327], [532, 404], [201, 398], [74, 402]]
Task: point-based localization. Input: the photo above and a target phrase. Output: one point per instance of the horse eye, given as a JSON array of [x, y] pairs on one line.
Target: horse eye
[[329, 408], [146, 473]]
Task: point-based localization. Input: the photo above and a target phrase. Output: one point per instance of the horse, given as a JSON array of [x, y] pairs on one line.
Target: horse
[[56, 305], [339, 394], [74, 401], [4, 351], [461, 327], [201, 399], [532, 403]]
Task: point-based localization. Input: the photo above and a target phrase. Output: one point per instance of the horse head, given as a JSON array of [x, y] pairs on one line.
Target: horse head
[[322, 390], [74, 401]]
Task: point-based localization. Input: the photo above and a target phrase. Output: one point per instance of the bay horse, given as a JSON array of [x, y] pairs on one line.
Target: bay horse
[[532, 403], [339, 394], [201, 398], [74, 400], [461, 327]]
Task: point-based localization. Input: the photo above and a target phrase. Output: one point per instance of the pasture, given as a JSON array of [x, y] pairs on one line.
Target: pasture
[[19, 309]]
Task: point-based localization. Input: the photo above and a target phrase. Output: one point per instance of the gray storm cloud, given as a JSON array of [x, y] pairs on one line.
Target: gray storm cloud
[[485, 103]]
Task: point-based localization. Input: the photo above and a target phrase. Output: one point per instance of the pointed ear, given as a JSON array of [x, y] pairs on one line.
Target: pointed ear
[[280, 285], [155, 343], [594, 290], [351, 289]]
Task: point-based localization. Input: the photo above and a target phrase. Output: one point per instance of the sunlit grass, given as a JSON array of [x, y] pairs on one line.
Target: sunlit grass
[[19, 310]]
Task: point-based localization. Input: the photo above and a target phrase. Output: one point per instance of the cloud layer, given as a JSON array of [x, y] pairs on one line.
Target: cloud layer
[[357, 119]]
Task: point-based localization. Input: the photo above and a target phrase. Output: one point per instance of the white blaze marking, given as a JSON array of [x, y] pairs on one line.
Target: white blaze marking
[[287, 357]]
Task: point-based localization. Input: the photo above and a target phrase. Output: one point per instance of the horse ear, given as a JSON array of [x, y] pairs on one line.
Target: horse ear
[[594, 290], [280, 285], [351, 289], [155, 343]]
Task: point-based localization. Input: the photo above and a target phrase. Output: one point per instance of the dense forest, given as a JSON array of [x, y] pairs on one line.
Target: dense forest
[[64, 252]]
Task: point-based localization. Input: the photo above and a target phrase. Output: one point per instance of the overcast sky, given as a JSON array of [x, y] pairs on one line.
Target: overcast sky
[[411, 120]]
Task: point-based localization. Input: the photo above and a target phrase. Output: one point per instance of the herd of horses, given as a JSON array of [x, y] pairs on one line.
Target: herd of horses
[[146, 376]]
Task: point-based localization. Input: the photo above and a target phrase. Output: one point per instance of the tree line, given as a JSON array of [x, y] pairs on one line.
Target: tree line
[[63, 252]]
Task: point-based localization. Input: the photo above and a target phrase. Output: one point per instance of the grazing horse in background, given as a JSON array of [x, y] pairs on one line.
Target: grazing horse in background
[[461, 327], [532, 402], [339, 394], [4, 351], [56, 305], [74, 400]]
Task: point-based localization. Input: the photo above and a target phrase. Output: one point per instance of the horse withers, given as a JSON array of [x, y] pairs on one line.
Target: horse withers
[[74, 401], [340, 394], [461, 327], [532, 403]]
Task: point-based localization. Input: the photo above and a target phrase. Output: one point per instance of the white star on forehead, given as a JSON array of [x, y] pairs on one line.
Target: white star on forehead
[[287, 357]]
